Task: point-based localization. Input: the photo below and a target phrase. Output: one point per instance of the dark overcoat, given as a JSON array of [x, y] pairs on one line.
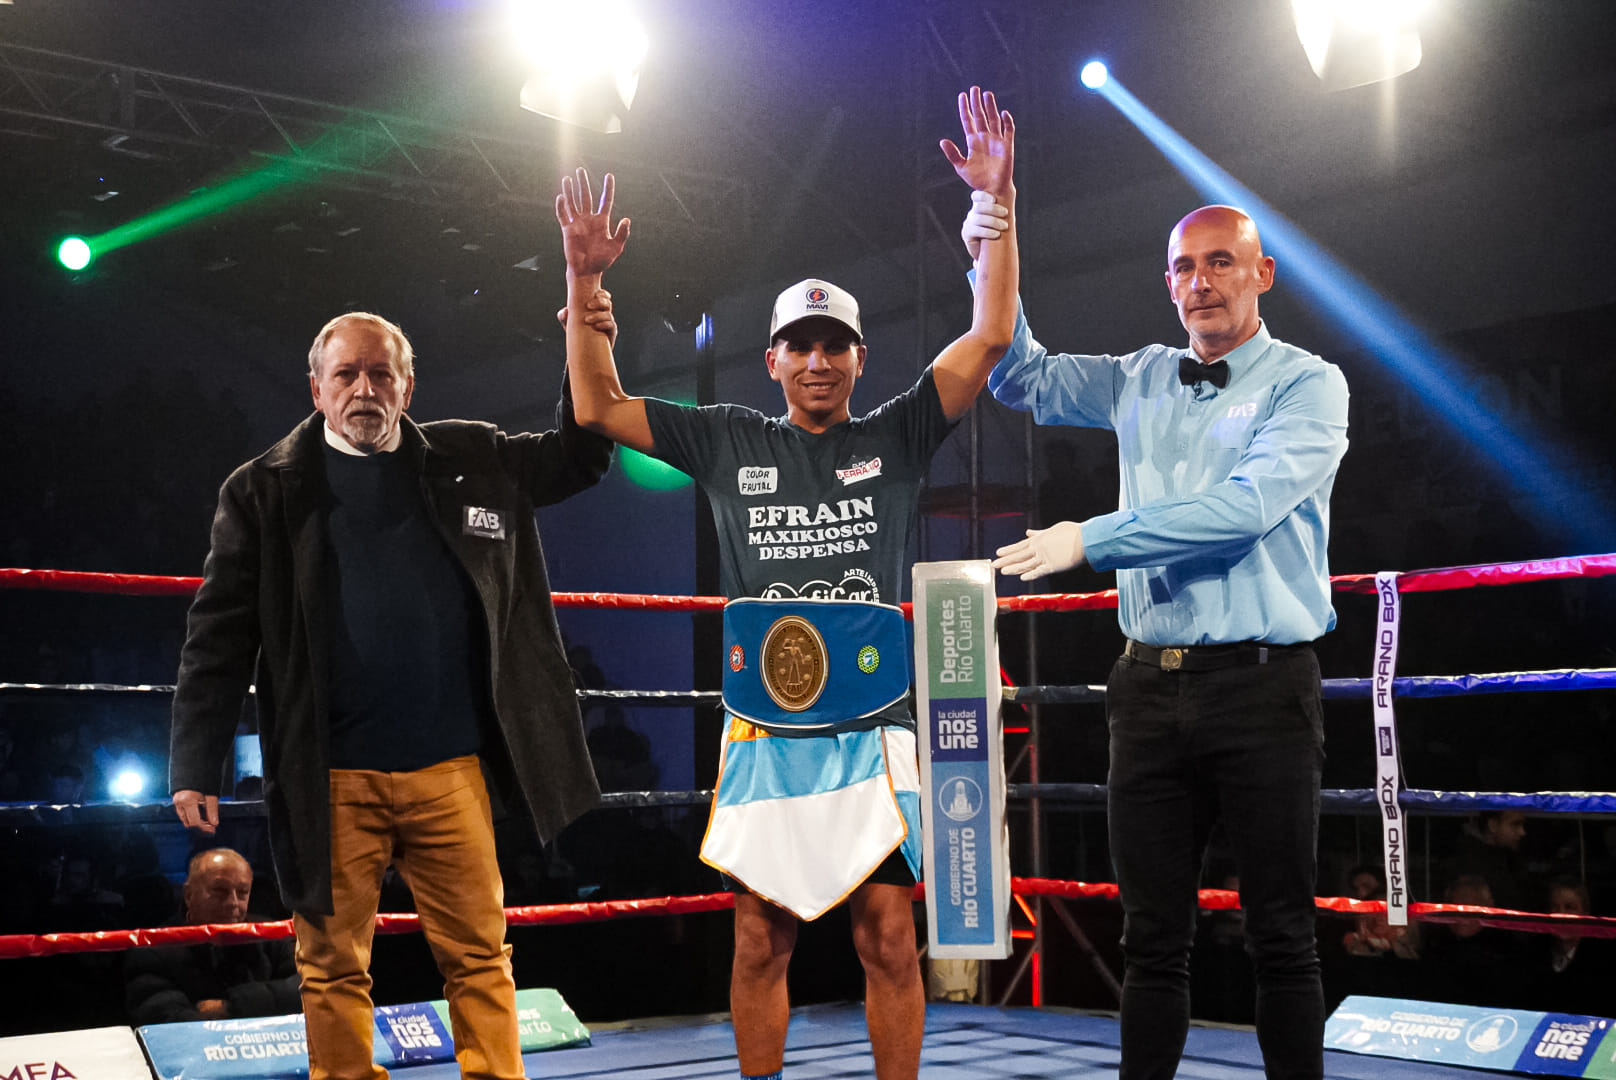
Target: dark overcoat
[[261, 617], [164, 985]]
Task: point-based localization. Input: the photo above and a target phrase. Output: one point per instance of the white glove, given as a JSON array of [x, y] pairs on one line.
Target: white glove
[[1045, 551], [985, 220]]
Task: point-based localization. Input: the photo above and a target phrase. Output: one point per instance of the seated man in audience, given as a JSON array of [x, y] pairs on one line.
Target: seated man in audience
[[1373, 936], [1570, 972], [1468, 963], [1490, 848], [206, 981]]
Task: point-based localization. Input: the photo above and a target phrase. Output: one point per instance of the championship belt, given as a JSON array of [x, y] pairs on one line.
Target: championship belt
[[810, 667]]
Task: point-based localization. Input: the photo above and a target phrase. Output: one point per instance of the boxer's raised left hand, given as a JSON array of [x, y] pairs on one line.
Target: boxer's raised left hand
[[988, 163]]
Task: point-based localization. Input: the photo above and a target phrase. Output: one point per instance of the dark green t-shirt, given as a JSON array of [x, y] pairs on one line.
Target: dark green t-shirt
[[824, 516]]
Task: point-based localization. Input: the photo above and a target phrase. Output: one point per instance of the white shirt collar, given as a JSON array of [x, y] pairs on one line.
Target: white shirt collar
[[337, 442]]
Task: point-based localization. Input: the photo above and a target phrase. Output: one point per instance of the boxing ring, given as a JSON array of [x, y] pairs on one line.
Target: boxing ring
[[986, 1039]]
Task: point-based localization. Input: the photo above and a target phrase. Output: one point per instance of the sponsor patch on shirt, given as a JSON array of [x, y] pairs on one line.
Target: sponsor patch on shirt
[[483, 522], [758, 479], [864, 470], [856, 584]]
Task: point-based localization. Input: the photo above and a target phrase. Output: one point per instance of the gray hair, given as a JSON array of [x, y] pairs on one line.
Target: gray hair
[[402, 350]]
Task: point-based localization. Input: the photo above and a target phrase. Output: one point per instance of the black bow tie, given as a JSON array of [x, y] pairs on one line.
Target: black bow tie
[[1192, 371]]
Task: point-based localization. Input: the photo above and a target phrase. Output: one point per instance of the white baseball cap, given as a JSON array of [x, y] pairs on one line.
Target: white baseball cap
[[813, 297]]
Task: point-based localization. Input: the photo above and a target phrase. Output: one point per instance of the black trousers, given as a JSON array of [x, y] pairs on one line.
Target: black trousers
[[1242, 745]]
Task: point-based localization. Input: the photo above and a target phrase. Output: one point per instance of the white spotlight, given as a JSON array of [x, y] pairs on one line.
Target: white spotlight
[[591, 87], [127, 784], [1093, 74], [1354, 42]]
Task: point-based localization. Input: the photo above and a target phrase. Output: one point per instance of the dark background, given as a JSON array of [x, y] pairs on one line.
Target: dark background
[[771, 142]]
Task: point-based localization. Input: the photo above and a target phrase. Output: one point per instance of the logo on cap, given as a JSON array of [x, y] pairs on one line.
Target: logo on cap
[[817, 295]]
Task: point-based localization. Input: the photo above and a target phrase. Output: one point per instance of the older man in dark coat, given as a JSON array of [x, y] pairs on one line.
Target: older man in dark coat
[[386, 581]]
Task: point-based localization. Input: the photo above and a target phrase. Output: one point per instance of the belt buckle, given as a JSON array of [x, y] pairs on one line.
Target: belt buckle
[[1172, 659]]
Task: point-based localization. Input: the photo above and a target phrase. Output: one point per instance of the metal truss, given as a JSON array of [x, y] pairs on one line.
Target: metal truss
[[149, 115]]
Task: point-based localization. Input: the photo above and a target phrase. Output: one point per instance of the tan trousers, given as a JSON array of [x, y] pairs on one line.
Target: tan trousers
[[434, 824]]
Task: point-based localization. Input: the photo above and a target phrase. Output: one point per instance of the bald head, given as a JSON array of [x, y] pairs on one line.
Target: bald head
[[1215, 272], [218, 884], [1231, 218]]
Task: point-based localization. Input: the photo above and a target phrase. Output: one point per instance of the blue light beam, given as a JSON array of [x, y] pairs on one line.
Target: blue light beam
[[1358, 313]]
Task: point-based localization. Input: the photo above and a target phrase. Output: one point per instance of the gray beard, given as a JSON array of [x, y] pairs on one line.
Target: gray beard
[[365, 433]]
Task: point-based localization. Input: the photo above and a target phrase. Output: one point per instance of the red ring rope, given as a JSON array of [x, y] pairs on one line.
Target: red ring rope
[[1457, 577], [13, 946], [25, 945]]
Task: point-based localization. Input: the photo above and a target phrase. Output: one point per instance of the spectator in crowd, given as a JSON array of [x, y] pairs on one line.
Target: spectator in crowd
[[1571, 972], [80, 902], [51, 758], [1466, 963], [66, 784], [1366, 882], [1372, 935], [206, 981], [1490, 848], [149, 898], [1372, 957]]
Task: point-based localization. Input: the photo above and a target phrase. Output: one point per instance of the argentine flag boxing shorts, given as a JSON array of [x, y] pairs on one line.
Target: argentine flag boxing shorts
[[811, 798]]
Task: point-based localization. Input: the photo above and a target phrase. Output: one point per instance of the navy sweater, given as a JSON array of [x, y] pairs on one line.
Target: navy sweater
[[408, 664]]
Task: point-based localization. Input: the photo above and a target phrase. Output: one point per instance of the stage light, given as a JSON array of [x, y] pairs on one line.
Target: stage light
[[334, 149], [74, 253], [1355, 42], [127, 784], [1093, 74], [591, 88], [617, 37]]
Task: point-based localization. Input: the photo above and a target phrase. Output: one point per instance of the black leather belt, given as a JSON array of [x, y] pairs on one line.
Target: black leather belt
[[1205, 657]]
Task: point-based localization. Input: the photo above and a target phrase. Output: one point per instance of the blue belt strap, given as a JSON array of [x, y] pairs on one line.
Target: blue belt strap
[[867, 662]]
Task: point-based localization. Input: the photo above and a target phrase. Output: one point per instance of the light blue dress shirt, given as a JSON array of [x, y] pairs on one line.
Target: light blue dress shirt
[[1224, 515]]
